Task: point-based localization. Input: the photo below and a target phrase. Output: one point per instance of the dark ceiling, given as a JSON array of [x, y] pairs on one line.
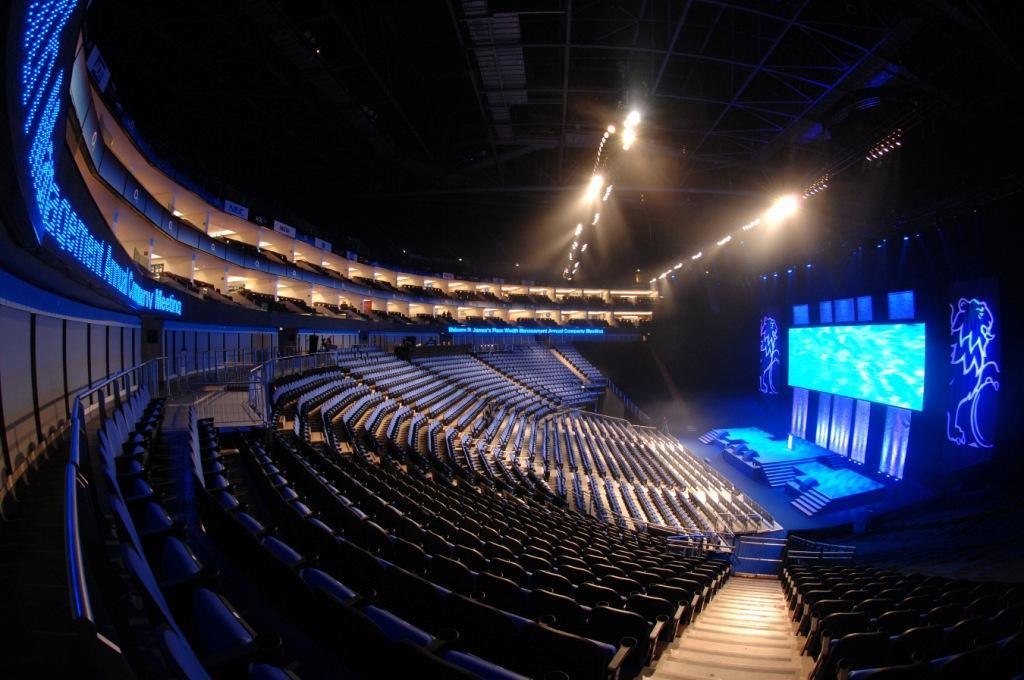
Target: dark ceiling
[[468, 128]]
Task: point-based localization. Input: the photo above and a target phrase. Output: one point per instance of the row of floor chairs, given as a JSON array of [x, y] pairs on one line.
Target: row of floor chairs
[[455, 558], [539, 368], [363, 600], [864, 622], [186, 628], [609, 447]]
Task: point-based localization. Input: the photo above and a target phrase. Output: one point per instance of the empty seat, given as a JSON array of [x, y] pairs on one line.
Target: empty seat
[[501, 592], [567, 614], [451, 574], [542, 578]]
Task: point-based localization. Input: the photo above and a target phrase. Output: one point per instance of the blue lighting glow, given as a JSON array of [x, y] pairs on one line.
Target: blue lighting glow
[[801, 315], [519, 330], [901, 305], [971, 329], [42, 86], [844, 311], [884, 363], [769, 354]]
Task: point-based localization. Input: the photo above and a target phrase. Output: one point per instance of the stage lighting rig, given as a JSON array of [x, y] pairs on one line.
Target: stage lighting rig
[[889, 143], [818, 185]]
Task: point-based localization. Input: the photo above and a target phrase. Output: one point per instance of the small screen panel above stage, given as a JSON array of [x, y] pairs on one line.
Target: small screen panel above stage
[[884, 363]]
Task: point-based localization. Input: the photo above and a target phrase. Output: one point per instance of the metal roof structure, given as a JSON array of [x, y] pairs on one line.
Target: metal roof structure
[[381, 123]]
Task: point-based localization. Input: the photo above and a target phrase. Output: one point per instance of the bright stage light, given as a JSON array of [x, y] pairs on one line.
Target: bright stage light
[[628, 138], [751, 224], [579, 229], [611, 129], [679, 265], [784, 207], [594, 188], [697, 256], [597, 217], [633, 119], [725, 240], [607, 192]]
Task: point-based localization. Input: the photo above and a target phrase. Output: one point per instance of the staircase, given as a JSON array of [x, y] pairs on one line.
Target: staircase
[[744, 634], [811, 502], [712, 436], [778, 474]]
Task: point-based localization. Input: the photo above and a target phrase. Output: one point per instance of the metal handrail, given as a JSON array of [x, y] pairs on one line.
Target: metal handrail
[[807, 549], [263, 374]]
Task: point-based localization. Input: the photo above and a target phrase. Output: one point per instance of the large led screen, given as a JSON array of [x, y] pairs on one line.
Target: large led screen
[[883, 363]]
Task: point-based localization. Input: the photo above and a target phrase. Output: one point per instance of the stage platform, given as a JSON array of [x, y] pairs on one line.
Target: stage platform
[[819, 480]]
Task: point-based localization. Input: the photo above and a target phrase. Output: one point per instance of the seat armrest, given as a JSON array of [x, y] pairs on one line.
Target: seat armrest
[[615, 665]]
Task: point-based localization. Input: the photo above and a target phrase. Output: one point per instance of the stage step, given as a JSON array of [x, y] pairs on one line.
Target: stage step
[[778, 474], [712, 436], [811, 502]]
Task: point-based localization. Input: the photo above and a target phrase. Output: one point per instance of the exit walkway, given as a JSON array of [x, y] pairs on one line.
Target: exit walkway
[[744, 634]]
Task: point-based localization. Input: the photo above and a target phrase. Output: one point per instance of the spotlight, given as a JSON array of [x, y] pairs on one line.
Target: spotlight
[[633, 119], [697, 256], [594, 188], [611, 129], [784, 207], [725, 240], [579, 229], [597, 216], [607, 192], [679, 265], [750, 225], [628, 138]]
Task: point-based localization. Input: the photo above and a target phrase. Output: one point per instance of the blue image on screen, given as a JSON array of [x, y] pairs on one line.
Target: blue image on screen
[[884, 363]]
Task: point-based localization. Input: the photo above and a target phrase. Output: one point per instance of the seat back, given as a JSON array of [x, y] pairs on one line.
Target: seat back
[[895, 622]]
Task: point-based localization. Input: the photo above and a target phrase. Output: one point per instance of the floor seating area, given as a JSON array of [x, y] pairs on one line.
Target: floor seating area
[[861, 622], [459, 417], [616, 469], [455, 579], [540, 368]]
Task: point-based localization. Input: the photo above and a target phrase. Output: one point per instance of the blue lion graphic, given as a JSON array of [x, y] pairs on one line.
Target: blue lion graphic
[[970, 327], [769, 354]]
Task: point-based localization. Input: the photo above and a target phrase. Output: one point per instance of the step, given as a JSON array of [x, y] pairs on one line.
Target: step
[[741, 647], [769, 634], [787, 642], [734, 658], [722, 668]]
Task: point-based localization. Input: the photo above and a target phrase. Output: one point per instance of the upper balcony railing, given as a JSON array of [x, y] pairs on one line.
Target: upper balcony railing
[[89, 110]]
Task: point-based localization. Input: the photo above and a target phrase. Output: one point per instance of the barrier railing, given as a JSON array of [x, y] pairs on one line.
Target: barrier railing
[[100, 401], [188, 371], [263, 375], [806, 550]]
